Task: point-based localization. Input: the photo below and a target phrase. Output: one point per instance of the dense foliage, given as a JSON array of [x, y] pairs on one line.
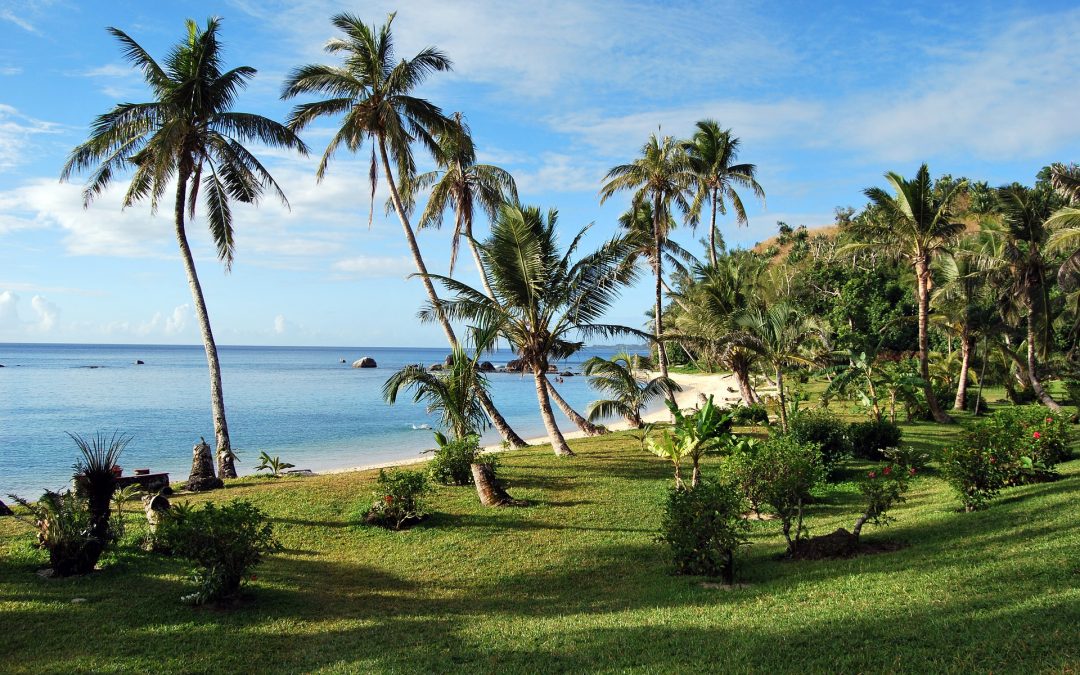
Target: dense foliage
[[869, 439], [399, 499], [704, 528]]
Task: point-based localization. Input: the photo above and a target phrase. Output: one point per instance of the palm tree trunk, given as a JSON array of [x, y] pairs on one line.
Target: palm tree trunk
[[783, 401], [1033, 377], [742, 375], [558, 443], [658, 319], [712, 231], [965, 363], [571, 414], [922, 276], [497, 419], [225, 462]]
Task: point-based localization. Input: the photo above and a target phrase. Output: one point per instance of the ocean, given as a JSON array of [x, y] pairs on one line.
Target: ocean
[[300, 403]]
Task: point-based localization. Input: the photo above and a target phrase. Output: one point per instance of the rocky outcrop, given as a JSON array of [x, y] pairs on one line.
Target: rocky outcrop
[[486, 367], [514, 366], [435, 367], [449, 360], [202, 475], [5, 510], [139, 362], [366, 362]]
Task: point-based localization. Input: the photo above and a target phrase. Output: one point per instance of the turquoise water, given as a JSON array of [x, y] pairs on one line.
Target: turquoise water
[[297, 402]]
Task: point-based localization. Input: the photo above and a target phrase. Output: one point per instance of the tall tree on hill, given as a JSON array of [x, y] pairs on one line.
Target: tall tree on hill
[[372, 89], [188, 135], [916, 221], [712, 152], [541, 298], [661, 177]]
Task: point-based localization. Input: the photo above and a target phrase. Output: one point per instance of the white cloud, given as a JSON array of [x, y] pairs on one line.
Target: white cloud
[[370, 267], [15, 132], [280, 324], [20, 21], [12, 324]]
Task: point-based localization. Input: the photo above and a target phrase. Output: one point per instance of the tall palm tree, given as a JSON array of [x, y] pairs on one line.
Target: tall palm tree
[[712, 152], [662, 178], [917, 221], [960, 299], [459, 183], [630, 391], [1065, 223], [541, 299], [188, 133], [373, 91]]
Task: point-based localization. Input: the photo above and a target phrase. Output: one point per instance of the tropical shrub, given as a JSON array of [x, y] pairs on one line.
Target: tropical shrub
[[869, 439], [399, 499], [779, 474], [746, 415], [225, 543], [882, 489], [1041, 434], [452, 463], [63, 523], [95, 477], [703, 529], [824, 429], [974, 472], [703, 431]]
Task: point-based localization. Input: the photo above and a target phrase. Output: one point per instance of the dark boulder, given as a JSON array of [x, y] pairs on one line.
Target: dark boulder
[[139, 362], [435, 367], [449, 360], [514, 366], [486, 367]]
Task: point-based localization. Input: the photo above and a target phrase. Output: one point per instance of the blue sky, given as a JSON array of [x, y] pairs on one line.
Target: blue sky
[[824, 100]]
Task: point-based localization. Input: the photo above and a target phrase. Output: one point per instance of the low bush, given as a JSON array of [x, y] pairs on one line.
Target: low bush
[[869, 439], [453, 460], [399, 499], [747, 415], [779, 474], [225, 543], [65, 530], [704, 528], [882, 489], [827, 431], [974, 473]]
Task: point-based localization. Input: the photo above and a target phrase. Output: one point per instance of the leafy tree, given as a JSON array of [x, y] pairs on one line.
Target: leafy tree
[[629, 390], [712, 152], [917, 221], [542, 299], [374, 93], [188, 135], [662, 177], [962, 307]]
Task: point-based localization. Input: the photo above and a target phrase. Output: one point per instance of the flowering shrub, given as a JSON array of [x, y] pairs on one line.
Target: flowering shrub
[[452, 464], [975, 473], [883, 488], [399, 499], [703, 528]]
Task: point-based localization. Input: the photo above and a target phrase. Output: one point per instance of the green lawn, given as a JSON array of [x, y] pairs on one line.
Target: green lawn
[[574, 582]]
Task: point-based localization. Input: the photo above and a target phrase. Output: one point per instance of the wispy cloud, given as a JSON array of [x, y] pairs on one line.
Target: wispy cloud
[[16, 129], [370, 267]]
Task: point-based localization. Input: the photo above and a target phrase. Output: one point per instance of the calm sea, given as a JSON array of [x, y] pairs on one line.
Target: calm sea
[[300, 403]]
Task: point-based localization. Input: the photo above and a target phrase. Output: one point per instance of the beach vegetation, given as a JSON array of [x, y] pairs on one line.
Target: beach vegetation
[[274, 464], [400, 499], [630, 390]]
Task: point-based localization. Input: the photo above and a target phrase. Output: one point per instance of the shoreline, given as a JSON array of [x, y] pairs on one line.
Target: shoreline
[[721, 386]]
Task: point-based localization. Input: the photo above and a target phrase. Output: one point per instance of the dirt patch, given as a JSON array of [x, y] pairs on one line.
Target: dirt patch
[[719, 586], [842, 544]]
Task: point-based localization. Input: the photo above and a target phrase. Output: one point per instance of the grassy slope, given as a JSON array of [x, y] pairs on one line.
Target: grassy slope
[[575, 582]]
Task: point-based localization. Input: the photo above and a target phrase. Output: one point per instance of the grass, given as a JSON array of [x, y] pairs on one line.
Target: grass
[[573, 582]]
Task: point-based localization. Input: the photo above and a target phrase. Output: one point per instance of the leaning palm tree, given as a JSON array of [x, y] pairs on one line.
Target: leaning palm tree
[[712, 152], [541, 299], [629, 390], [374, 92], [917, 222], [188, 135], [661, 177]]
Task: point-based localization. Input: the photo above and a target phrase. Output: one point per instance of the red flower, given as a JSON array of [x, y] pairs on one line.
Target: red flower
[[872, 474], [1049, 419], [886, 471], [993, 460], [911, 471], [254, 577], [1035, 435], [389, 499]]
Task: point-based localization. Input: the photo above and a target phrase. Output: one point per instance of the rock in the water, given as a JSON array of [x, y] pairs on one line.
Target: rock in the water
[[553, 369], [449, 360], [366, 362], [343, 361], [202, 469], [435, 367], [486, 367], [139, 362], [566, 373]]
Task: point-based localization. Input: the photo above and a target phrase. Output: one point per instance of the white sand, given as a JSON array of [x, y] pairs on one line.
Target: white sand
[[695, 389]]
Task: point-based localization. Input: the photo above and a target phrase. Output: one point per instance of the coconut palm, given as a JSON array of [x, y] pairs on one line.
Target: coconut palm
[[917, 221], [541, 299], [777, 335], [1065, 223], [712, 152], [662, 178], [451, 393], [373, 91], [959, 301], [630, 390], [188, 135]]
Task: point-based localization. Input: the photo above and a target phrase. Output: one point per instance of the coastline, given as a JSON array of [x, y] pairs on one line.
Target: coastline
[[722, 387]]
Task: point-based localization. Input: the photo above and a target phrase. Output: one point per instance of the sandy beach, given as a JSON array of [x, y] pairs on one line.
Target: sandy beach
[[695, 388]]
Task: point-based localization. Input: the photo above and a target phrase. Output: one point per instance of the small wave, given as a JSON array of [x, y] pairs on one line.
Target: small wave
[[421, 427]]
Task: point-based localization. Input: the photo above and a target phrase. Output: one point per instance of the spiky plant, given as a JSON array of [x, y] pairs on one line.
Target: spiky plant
[[95, 477]]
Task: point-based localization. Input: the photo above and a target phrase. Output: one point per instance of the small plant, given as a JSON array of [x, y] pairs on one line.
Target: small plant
[[882, 489], [399, 499], [706, 430], [272, 464], [779, 474], [453, 460], [703, 529], [747, 415], [95, 476], [643, 434], [869, 439], [225, 543], [64, 526], [824, 429], [975, 473], [119, 498]]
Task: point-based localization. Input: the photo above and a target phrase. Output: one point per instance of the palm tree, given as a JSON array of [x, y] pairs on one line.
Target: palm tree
[[1065, 223], [541, 299], [712, 152], [630, 391], [462, 185], [188, 133], [451, 392], [917, 222], [959, 299], [777, 334], [373, 91], [661, 177]]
